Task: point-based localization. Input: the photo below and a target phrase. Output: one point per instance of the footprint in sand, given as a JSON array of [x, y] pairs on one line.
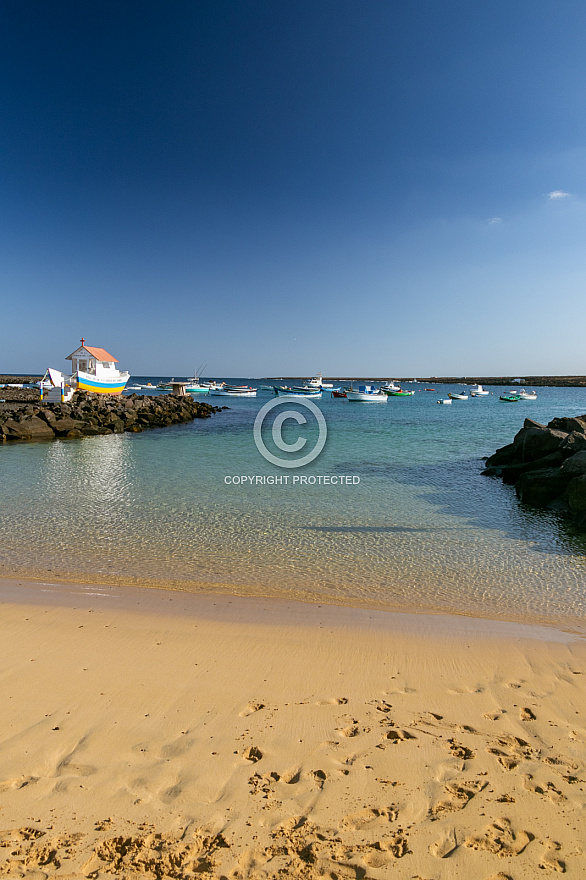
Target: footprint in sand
[[458, 795], [382, 706], [252, 754], [368, 816], [459, 750], [500, 839], [445, 845], [318, 777], [548, 790], [395, 735], [351, 730], [549, 859], [511, 750], [526, 714], [384, 851], [291, 777], [251, 708]]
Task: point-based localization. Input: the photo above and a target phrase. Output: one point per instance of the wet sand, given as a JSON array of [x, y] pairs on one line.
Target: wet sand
[[155, 734]]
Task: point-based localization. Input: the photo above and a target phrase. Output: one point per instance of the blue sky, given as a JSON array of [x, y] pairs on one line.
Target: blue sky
[[277, 188]]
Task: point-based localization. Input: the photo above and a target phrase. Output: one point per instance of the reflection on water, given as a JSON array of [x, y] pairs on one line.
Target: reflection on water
[[422, 530]]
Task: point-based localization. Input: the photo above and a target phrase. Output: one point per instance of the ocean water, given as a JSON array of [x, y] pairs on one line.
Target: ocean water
[[419, 528]]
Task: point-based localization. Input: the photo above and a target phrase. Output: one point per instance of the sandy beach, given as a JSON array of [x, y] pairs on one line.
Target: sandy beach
[[152, 734]]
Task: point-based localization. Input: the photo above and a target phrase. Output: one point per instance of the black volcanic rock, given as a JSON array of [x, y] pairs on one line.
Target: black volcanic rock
[[88, 415], [547, 465]]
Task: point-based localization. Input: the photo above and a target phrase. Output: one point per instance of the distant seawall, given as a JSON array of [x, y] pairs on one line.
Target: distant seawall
[[533, 381]]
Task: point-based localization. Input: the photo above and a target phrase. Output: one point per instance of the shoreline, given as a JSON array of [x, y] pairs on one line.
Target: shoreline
[[228, 593], [275, 611]]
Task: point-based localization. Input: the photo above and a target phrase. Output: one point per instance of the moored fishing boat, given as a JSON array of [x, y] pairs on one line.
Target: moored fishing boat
[[526, 395], [367, 394], [338, 393], [444, 400], [478, 391], [318, 382], [510, 398], [233, 391], [456, 396], [298, 392]]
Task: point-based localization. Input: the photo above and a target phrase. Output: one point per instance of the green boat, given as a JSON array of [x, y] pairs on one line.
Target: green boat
[[510, 398]]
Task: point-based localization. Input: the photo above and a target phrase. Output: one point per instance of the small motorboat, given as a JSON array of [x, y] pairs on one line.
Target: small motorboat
[[318, 382], [400, 392], [430, 389], [527, 395], [478, 391], [510, 398], [298, 392], [233, 391], [338, 394], [456, 396], [367, 394], [444, 400], [390, 386]]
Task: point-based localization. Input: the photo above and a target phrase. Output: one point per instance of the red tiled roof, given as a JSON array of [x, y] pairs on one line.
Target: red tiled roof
[[99, 353]]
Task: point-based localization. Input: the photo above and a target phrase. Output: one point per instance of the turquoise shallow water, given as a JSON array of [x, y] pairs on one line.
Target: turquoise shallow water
[[421, 530]]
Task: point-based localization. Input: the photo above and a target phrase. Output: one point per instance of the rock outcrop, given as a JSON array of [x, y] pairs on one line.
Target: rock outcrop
[[88, 415], [547, 465]]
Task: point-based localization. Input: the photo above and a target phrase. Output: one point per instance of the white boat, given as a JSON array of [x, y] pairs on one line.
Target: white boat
[[367, 394], [298, 392], [233, 391], [444, 400], [478, 391], [390, 386], [454, 396], [318, 382], [526, 395]]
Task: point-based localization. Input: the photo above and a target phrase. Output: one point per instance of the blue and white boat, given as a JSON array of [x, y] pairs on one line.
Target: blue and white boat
[[367, 394], [298, 392]]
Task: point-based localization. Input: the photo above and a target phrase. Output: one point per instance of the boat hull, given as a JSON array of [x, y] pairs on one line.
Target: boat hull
[[86, 382], [233, 393], [296, 392], [197, 389], [364, 397]]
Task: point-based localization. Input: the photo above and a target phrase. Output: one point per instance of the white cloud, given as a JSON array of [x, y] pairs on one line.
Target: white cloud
[[495, 220], [558, 194]]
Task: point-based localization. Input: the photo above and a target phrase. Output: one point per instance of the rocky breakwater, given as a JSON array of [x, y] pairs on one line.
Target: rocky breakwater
[[547, 465], [87, 415]]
